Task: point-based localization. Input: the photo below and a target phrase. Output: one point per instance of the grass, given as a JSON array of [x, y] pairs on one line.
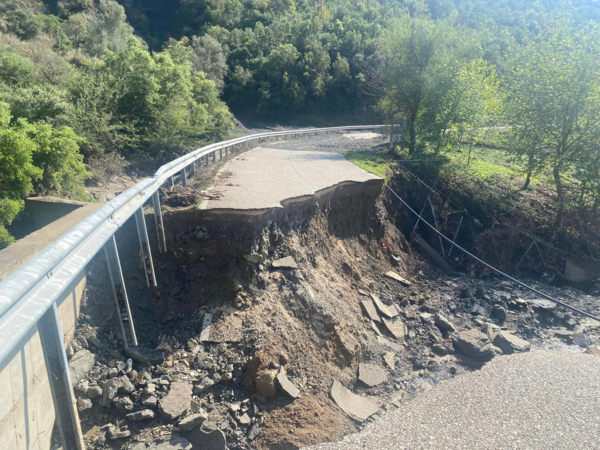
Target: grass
[[375, 163]]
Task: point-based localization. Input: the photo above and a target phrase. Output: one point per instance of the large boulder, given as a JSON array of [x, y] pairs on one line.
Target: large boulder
[[509, 343], [177, 401], [473, 343]]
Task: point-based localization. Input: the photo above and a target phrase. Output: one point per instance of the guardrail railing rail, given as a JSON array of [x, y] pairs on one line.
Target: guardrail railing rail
[[28, 296]]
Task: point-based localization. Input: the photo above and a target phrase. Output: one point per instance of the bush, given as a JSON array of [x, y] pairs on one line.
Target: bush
[[15, 70], [23, 23]]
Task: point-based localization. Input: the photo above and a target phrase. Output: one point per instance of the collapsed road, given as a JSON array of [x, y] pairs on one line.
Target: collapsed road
[[290, 311]]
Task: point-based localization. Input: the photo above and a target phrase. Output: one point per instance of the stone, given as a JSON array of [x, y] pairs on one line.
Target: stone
[[118, 434], [499, 313], [442, 348], [94, 392], [478, 310], [177, 401], [375, 328], [355, 406], [581, 340], [390, 360], [371, 374], [473, 343], [244, 419], [429, 253], [83, 404], [150, 389], [284, 263], [384, 309], [394, 276], [369, 308], [491, 330], [509, 343], [206, 323], [286, 385], [175, 443], [137, 354], [125, 385], [205, 384], [208, 438], [542, 304], [253, 432], [149, 401], [592, 351], [123, 403], [189, 422], [256, 259], [109, 390], [426, 318], [80, 364], [444, 324], [265, 383], [144, 414], [397, 328]]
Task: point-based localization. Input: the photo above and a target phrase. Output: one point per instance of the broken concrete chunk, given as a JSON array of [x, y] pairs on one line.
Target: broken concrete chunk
[[509, 343], [397, 328], [177, 401], [286, 385], [285, 263], [396, 277], [371, 374], [80, 364], [384, 309], [189, 422], [355, 406], [369, 308], [144, 414], [253, 432]]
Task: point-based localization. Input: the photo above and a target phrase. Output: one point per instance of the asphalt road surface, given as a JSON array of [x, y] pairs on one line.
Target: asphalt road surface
[[537, 400], [264, 177]]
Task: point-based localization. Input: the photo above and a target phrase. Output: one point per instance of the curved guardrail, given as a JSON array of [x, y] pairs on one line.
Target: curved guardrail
[[28, 296]]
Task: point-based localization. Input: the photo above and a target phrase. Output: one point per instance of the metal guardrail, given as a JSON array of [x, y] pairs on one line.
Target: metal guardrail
[[28, 296]]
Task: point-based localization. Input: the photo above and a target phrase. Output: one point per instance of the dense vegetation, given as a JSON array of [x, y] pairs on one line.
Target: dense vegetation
[[88, 84]]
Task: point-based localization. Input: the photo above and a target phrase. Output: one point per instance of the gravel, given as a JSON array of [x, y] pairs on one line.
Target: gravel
[[537, 400]]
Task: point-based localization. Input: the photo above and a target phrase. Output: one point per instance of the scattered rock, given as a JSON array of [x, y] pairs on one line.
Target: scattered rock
[[189, 422], [369, 308], [175, 443], [473, 343], [287, 386], [542, 304], [205, 384], [390, 360], [499, 313], [397, 328], [138, 355], [371, 374], [80, 364], [144, 414], [149, 401], [206, 323], [256, 259], [509, 343], [285, 263], [478, 310], [384, 309], [123, 403], [581, 340], [109, 390], [245, 419], [394, 276], [355, 406], [177, 401], [94, 392], [253, 432], [265, 383], [208, 438], [83, 404], [444, 324], [592, 351]]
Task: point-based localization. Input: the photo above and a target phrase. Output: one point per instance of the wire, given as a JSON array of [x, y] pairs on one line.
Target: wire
[[520, 283]]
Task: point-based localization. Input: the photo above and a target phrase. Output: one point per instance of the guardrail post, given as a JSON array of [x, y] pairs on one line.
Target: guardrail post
[[171, 181], [183, 177], [160, 228], [206, 160], [214, 155], [220, 153], [193, 169], [145, 252], [119, 291], [59, 376]]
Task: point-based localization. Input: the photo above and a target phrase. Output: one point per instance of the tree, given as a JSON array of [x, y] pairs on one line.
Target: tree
[[109, 31], [210, 57], [553, 87], [420, 63]]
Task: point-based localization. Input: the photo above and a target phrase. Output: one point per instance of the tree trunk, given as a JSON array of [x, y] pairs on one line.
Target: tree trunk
[[528, 179], [412, 133], [560, 196]]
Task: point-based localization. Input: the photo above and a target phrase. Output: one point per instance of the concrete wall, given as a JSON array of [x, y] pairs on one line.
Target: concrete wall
[[26, 406]]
